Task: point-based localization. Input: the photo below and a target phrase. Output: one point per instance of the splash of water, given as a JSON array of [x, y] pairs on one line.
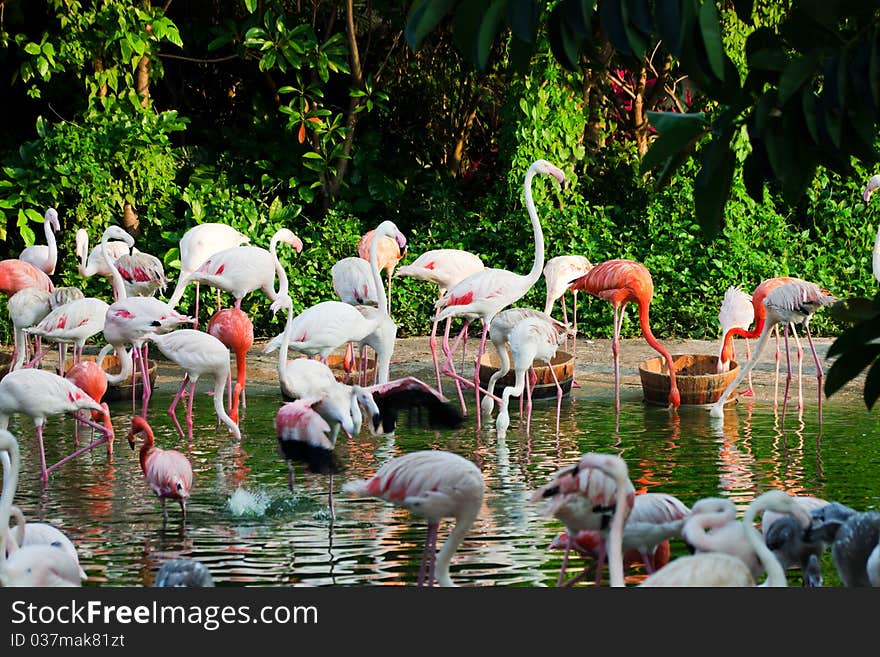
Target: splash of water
[[245, 503]]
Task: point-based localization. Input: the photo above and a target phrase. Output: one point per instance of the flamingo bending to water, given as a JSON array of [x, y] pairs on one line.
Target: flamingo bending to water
[[168, 472], [559, 273], [620, 282], [44, 256], [236, 331], [485, 293], [389, 252], [434, 484]]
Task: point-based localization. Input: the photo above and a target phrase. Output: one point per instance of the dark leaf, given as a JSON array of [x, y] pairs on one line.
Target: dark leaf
[[487, 33], [611, 18], [753, 176], [712, 184], [743, 10], [676, 131], [668, 16], [522, 17], [640, 16], [798, 71], [872, 385], [710, 29], [579, 16], [850, 311], [424, 16], [848, 366], [564, 44]]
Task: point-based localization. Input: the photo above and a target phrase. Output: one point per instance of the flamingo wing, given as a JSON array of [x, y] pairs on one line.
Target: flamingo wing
[[418, 399], [303, 435]]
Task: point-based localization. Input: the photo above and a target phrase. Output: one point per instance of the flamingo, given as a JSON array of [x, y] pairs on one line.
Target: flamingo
[[445, 268], [586, 497], [28, 565], [619, 282], [236, 331], [74, 322], [197, 354], [142, 273], [434, 484], [736, 311], [559, 273], [93, 263], [794, 302], [44, 256], [389, 252], [197, 245], [725, 533], [530, 340], [353, 282], [39, 394], [854, 537], [65, 294], [784, 535], [179, 573], [17, 274], [655, 518], [721, 569], [40, 533], [168, 472], [242, 269], [487, 292], [874, 183], [759, 313], [26, 307]]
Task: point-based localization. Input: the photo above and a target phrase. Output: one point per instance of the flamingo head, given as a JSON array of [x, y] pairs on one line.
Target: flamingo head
[[118, 233], [282, 302], [543, 166], [82, 242], [285, 235], [873, 183], [52, 217], [138, 426]]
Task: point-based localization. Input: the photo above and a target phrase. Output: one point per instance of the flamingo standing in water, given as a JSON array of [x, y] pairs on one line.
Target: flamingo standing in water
[[736, 311], [589, 496], [559, 273], [197, 245], [241, 270], [39, 394], [655, 518], [445, 268], [44, 256], [236, 331], [721, 569], [24, 564], [619, 282], [793, 302], [198, 354], [389, 252], [484, 294], [168, 472], [434, 484]]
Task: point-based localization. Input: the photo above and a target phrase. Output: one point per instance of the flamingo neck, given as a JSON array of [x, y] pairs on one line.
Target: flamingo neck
[[240, 378], [718, 408], [538, 265], [116, 280], [622, 507], [52, 244], [283, 283], [147, 448], [645, 323], [282, 350], [125, 363], [775, 572], [374, 271], [9, 455], [219, 387], [463, 524]]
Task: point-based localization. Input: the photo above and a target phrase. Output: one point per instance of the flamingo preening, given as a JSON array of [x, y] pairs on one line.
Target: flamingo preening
[[487, 292], [389, 252], [793, 302], [559, 273], [44, 256], [168, 472], [434, 484], [620, 282]]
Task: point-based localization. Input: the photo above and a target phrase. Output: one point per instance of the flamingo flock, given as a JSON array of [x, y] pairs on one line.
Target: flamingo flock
[[594, 498]]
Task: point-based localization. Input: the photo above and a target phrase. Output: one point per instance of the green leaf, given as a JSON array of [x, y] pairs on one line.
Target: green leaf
[[798, 71], [487, 33], [250, 5], [848, 366], [611, 18], [522, 17], [424, 16], [711, 31], [712, 184], [32, 48], [564, 44], [676, 132]]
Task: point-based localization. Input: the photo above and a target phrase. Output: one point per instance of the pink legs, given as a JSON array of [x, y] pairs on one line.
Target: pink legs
[[189, 403], [429, 555], [44, 471]]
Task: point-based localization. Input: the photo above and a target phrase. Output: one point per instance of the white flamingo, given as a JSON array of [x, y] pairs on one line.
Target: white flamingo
[[26, 307], [559, 273], [45, 256]]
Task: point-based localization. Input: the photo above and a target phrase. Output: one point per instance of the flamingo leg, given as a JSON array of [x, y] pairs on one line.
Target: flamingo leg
[[800, 362], [44, 472], [189, 409], [558, 396], [751, 391], [433, 342], [427, 557], [330, 500], [788, 374], [174, 404], [600, 561], [533, 379], [432, 555], [820, 374], [164, 512], [776, 381], [564, 566], [290, 476], [183, 508], [145, 381], [615, 351], [446, 358], [480, 352], [100, 441]]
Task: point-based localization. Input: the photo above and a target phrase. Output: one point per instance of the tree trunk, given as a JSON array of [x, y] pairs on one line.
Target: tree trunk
[[639, 116]]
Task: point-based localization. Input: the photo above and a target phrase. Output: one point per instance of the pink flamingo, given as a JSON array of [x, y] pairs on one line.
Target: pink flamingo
[[483, 294], [197, 245], [198, 354], [655, 518], [794, 302], [236, 331], [39, 394], [17, 274], [434, 484], [242, 269], [721, 569], [168, 472], [74, 322], [586, 497], [93, 263], [23, 564], [620, 282], [44, 256], [26, 307], [142, 273], [559, 273], [445, 268], [389, 252]]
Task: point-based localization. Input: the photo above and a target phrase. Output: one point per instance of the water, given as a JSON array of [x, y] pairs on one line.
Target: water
[[247, 527]]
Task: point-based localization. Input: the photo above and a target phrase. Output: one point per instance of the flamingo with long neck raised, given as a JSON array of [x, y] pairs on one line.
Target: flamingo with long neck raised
[[485, 293], [45, 256]]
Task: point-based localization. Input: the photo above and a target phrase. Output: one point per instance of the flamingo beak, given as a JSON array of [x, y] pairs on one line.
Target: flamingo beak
[[130, 437]]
